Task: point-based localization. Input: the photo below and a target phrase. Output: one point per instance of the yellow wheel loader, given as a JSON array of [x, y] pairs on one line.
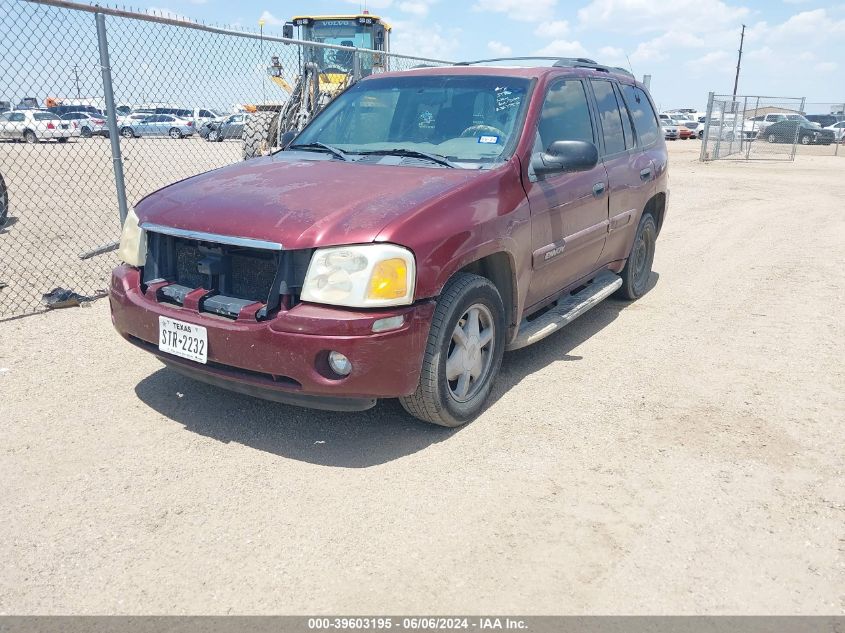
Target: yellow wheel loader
[[319, 74]]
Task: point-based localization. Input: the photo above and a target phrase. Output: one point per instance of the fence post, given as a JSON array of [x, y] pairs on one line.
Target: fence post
[[705, 138], [356, 66], [111, 116]]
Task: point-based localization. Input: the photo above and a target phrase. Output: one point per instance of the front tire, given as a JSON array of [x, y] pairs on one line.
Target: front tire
[[4, 203], [463, 353], [175, 133], [86, 132], [127, 133], [30, 138], [637, 271]]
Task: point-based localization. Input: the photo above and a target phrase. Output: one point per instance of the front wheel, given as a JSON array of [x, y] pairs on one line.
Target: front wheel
[[637, 271], [463, 353], [86, 132], [30, 138], [772, 138], [175, 133], [212, 136], [62, 140], [127, 133], [4, 203], [806, 140]]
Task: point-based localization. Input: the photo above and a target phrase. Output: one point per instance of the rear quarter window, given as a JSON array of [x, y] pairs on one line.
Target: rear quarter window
[[642, 114]]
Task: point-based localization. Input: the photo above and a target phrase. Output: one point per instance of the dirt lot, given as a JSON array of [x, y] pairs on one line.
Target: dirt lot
[[682, 454]]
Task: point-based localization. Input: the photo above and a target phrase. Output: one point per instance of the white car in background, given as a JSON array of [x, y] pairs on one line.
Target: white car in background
[[32, 126], [87, 124], [838, 130]]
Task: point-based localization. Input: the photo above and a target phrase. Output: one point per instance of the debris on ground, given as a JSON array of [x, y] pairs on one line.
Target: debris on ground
[[64, 298]]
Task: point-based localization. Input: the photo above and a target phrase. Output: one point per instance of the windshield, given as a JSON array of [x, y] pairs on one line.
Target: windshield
[[470, 119], [339, 33]]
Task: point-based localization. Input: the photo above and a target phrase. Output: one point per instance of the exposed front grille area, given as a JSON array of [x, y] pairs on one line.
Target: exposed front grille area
[[234, 276]]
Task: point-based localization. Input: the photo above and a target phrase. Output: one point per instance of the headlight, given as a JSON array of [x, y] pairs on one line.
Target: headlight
[[364, 276], [133, 241]]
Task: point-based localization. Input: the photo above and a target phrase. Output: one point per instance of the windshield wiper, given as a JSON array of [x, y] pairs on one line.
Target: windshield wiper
[[337, 153], [411, 153]]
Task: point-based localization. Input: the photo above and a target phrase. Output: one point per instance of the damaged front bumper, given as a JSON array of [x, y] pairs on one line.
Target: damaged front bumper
[[284, 357]]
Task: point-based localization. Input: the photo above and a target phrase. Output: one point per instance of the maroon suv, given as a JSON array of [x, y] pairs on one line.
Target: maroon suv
[[422, 224]]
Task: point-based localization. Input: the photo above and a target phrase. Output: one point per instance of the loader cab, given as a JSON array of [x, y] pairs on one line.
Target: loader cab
[[359, 31]]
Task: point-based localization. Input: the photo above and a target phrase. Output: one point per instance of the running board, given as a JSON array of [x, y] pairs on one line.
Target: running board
[[566, 310]]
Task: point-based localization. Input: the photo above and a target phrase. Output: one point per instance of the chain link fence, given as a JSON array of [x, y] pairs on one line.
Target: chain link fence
[[179, 96], [770, 128]]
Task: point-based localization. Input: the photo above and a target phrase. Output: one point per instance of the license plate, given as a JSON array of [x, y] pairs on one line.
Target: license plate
[[183, 339]]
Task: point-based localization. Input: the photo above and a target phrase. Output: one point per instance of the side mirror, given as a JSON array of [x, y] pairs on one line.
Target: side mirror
[[565, 156], [287, 30], [286, 139]]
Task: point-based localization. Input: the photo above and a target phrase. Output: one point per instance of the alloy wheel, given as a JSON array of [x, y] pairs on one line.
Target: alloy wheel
[[470, 355]]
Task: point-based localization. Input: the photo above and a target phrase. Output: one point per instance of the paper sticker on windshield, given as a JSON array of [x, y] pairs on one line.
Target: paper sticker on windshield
[[492, 140]]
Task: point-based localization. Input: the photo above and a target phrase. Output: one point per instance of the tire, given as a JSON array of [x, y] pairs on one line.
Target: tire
[[174, 133], [260, 133], [30, 138], [62, 140], [86, 132], [127, 132], [454, 402], [4, 203], [637, 271], [805, 140], [212, 136], [772, 138]]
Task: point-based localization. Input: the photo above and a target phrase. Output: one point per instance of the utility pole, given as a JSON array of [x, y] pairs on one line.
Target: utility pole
[[739, 61]]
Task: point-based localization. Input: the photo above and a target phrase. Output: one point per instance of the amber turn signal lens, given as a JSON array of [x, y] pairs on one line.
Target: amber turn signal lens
[[389, 279]]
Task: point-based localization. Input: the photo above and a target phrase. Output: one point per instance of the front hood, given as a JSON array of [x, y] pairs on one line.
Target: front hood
[[300, 203]]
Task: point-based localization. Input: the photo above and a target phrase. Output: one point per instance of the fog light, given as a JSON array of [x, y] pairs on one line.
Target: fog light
[[389, 323], [339, 364]]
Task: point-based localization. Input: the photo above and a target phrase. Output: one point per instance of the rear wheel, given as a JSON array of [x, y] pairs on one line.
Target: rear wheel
[[212, 135], [772, 138], [463, 353], [175, 133], [86, 132], [29, 137], [637, 271], [62, 140], [127, 132], [261, 131]]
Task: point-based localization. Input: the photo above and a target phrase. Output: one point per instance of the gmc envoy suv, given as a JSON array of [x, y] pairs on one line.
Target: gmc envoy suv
[[422, 224]]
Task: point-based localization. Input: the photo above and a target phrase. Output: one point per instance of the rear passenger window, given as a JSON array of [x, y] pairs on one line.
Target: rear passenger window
[[626, 119], [611, 121], [645, 120], [565, 115]]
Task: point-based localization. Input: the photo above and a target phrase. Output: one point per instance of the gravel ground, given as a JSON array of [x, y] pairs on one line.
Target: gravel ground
[[681, 454]]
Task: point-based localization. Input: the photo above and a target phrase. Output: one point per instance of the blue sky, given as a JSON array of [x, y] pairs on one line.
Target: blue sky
[[793, 48]]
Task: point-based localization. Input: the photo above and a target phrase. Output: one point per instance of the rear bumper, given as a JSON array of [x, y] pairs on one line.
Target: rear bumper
[[285, 357]]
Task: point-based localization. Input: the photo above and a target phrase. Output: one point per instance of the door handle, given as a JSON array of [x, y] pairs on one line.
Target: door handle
[[645, 174], [598, 189]]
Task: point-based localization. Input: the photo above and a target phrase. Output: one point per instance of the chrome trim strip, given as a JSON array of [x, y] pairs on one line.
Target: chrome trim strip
[[231, 240]]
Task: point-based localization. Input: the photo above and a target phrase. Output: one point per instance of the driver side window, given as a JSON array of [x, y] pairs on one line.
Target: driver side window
[[565, 115]]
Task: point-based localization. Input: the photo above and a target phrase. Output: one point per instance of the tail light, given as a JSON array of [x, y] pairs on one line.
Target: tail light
[[98, 122], [50, 126], [190, 124]]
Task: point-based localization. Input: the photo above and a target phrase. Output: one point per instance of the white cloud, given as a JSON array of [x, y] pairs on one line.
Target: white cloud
[[520, 10], [271, 19], [826, 67], [555, 28], [497, 48], [562, 48], [660, 47], [414, 7], [410, 37], [647, 15]]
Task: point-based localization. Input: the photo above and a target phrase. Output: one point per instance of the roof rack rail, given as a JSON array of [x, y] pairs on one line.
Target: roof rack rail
[[505, 59], [559, 62]]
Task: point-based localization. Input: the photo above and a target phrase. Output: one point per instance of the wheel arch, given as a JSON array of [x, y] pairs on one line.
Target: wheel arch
[[498, 268], [656, 206]]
